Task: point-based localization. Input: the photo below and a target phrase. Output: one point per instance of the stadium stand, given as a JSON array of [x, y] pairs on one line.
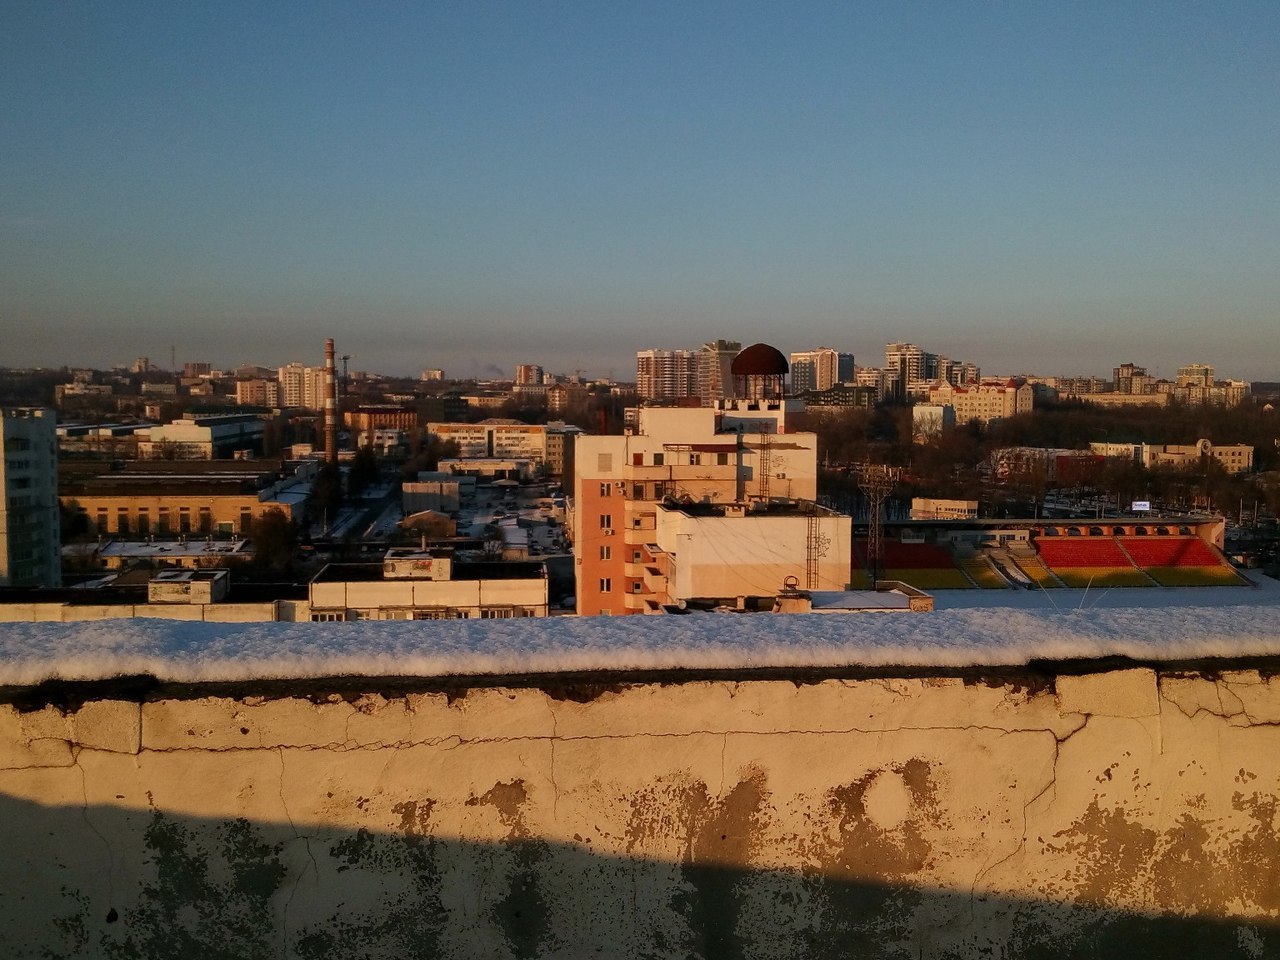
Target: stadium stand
[[1180, 561], [1067, 552], [924, 565], [982, 572], [1091, 561]]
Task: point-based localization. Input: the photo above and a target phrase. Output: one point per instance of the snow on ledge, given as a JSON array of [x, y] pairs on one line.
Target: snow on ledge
[[1235, 623]]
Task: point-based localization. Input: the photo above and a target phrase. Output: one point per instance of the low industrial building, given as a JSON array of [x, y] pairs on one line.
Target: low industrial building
[[490, 468], [719, 552], [205, 437], [222, 497], [428, 585], [197, 595], [432, 490]]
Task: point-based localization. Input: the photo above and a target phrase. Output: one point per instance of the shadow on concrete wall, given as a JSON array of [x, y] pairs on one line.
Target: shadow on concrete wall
[[109, 882]]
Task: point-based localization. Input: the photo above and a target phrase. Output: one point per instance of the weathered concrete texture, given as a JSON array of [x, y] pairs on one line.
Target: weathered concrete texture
[[1122, 813]]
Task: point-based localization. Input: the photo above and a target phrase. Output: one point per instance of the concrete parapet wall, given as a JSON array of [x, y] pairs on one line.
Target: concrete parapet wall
[[268, 611], [1121, 813]]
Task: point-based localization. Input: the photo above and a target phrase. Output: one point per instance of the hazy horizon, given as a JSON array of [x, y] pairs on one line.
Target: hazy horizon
[[1034, 189]]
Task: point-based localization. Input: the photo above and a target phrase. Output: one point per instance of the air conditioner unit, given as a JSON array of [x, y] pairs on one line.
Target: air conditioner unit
[[607, 532], [621, 485]]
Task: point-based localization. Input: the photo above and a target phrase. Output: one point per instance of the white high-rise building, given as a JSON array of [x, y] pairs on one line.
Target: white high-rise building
[[30, 555], [906, 360], [814, 370], [301, 386], [715, 378], [666, 374], [529, 375]]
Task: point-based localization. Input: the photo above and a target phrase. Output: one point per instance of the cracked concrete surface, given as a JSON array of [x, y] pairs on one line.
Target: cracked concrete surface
[[934, 817]]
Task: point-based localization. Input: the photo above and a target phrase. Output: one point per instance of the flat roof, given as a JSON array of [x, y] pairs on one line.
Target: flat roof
[[859, 600], [461, 570], [757, 508], [169, 548]]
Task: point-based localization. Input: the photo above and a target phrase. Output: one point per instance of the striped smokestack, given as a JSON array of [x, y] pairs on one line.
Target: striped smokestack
[[330, 405]]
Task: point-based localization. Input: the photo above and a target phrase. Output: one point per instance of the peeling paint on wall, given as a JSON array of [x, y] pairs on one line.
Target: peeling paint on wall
[[1118, 814]]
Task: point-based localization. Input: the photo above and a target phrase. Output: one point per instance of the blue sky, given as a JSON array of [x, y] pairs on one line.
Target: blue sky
[[1049, 188]]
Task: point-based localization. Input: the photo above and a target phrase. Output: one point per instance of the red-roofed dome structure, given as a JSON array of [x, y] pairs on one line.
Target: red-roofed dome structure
[[760, 372]]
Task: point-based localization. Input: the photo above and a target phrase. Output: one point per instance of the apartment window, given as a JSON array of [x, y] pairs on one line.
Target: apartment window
[[606, 521], [636, 556], [659, 491], [101, 523], [722, 459], [184, 519], [659, 459], [606, 488], [165, 525], [695, 459], [327, 617], [636, 586], [637, 459], [606, 552], [144, 521], [122, 520], [637, 491], [496, 613], [246, 519], [440, 613], [606, 584], [206, 520]]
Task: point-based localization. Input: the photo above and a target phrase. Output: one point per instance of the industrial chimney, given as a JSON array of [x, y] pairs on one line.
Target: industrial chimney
[[330, 405]]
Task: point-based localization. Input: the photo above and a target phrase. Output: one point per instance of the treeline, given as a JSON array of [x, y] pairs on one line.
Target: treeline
[[956, 462]]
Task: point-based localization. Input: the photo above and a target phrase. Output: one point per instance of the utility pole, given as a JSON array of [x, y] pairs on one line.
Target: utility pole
[[876, 481]]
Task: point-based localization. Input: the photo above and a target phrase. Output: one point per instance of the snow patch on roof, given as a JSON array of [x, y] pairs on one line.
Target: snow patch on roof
[[1010, 630]]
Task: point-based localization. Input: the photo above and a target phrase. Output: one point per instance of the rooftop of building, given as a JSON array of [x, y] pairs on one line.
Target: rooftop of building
[[461, 570], [776, 507], [217, 419], [131, 588]]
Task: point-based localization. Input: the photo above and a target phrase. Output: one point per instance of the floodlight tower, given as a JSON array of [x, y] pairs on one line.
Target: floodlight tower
[[876, 481]]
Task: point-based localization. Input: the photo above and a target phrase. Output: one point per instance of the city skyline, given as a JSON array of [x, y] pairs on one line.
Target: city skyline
[[1048, 192]]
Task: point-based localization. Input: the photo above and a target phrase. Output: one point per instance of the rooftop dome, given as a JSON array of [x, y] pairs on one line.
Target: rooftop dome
[[759, 360]]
